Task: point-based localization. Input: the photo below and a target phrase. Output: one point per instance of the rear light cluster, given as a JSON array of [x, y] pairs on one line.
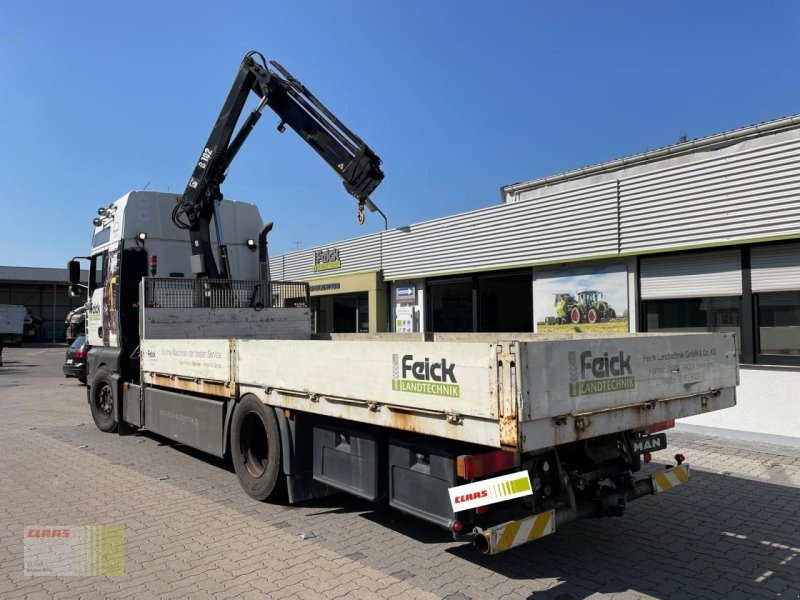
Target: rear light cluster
[[79, 353], [661, 426], [479, 466], [474, 466]]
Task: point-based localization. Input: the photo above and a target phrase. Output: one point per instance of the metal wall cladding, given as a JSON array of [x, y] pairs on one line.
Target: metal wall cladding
[[356, 255], [692, 275], [775, 268], [743, 193], [564, 225]]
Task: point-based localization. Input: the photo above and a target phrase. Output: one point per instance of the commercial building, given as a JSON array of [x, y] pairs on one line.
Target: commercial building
[[45, 293], [699, 236]]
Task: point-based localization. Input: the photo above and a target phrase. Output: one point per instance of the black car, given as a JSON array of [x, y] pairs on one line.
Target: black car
[[75, 364]]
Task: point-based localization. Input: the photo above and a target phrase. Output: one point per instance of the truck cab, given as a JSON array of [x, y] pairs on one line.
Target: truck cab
[[135, 237]]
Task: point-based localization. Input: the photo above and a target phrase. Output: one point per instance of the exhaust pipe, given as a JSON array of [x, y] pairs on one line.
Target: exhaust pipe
[[263, 260]]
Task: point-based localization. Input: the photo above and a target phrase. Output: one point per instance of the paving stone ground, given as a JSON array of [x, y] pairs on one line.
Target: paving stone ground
[[734, 532]]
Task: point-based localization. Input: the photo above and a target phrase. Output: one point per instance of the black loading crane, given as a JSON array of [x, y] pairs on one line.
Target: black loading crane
[[345, 152]]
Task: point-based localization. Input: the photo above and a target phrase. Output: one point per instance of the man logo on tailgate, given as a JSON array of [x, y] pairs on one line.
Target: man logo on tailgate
[[599, 375], [435, 378]]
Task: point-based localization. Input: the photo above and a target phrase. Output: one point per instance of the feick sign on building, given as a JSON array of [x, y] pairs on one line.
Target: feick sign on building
[[327, 260]]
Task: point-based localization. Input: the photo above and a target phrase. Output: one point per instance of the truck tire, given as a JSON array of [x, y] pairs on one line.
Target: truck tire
[[256, 449], [101, 401], [575, 315], [591, 316]]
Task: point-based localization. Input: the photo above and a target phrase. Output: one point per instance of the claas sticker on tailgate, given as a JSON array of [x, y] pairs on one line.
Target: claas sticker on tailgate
[[490, 491]]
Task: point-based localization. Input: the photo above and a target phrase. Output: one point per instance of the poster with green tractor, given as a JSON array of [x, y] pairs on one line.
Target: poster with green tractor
[[581, 300]]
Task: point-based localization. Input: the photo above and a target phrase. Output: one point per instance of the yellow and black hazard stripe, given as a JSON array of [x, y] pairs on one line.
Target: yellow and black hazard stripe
[[519, 532], [667, 480]]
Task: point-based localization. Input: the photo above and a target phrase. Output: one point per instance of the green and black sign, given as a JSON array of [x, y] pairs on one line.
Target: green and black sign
[[435, 378], [327, 260], [599, 374]]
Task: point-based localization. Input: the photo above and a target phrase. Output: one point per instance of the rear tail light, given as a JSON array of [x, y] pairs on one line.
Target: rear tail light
[[475, 466], [661, 426], [480, 510], [466, 467], [79, 353], [458, 527]]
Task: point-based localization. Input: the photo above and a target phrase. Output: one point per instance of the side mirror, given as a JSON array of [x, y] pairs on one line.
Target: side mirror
[[74, 268], [76, 291]]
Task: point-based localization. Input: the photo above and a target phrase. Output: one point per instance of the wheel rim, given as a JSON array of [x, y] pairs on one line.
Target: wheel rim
[[575, 315], [592, 316], [105, 400], [253, 445]]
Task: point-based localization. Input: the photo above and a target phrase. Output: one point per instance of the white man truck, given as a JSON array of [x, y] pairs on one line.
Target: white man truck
[[499, 438]]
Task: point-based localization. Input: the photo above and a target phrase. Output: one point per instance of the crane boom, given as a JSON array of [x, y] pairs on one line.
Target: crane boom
[[354, 161]]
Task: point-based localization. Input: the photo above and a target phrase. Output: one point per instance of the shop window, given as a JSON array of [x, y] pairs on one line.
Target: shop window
[[451, 306], [494, 302], [779, 323], [362, 313], [351, 313], [505, 303], [344, 313], [715, 314]]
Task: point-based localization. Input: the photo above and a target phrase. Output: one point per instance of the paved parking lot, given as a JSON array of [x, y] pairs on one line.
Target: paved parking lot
[[734, 532]]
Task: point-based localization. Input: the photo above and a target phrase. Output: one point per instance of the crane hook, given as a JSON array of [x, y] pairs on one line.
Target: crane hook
[[361, 218]]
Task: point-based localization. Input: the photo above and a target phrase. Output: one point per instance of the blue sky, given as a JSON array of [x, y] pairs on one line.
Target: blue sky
[[458, 98]]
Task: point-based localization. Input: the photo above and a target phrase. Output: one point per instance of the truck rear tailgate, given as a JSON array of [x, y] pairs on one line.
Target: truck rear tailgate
[[581, 388]]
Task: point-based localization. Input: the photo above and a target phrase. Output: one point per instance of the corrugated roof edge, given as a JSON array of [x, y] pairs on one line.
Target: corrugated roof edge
[[703, 143], [37, 274]]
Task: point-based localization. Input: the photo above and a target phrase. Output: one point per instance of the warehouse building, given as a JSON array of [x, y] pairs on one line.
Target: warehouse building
[[45, 293], [699, 236]]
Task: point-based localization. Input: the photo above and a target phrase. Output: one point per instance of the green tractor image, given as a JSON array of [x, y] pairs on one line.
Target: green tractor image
[[593, 309], [568, 309]]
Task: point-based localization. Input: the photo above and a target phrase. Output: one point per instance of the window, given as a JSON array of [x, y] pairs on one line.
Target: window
[[451, 306], [101, 237], [362, 313], [693, 291], [695, 314], [491, 302], [697, 291], [505, 303], [779, 323], [342, 313], [96, 271], [775, 284]]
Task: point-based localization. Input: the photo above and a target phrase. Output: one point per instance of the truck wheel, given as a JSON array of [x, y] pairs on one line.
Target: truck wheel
[[101, 401], [575, 315], [256, 448]]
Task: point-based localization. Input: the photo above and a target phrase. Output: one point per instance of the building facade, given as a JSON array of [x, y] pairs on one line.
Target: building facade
[[45, 293], [700, 236]]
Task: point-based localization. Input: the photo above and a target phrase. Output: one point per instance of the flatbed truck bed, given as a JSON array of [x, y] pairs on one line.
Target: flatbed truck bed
[[423, 420]]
